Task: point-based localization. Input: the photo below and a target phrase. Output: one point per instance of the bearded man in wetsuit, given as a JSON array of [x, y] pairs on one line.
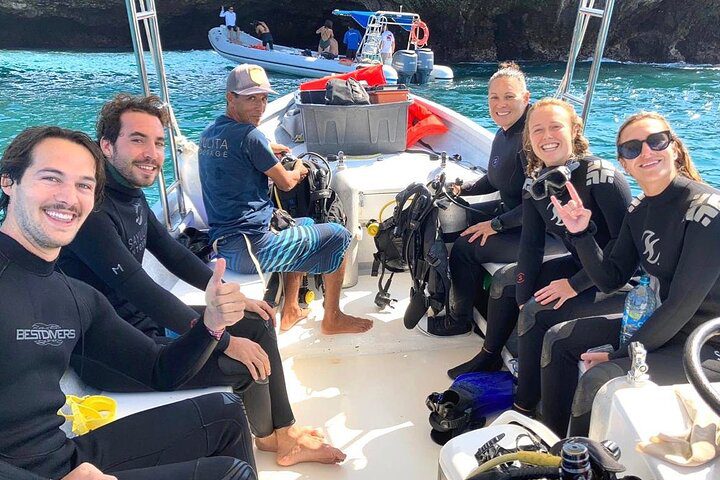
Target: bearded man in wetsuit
[[236, 162], [131, 135], [50, 179]]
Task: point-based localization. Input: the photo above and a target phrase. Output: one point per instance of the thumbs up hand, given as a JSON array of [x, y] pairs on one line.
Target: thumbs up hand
[[225, 302]]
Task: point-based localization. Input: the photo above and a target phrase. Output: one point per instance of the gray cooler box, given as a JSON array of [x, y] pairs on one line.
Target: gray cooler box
[[355, 129]]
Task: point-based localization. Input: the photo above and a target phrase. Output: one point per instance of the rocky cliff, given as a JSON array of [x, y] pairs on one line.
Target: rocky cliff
[[461, 30]]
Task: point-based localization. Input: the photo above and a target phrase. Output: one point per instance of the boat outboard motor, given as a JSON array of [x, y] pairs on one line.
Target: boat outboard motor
[[425, 65], [405, 62]]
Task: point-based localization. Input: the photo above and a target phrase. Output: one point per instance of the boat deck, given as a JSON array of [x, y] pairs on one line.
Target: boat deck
[[367, 391]]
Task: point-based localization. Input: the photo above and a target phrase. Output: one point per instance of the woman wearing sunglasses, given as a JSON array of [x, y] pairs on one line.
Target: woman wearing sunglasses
[[495, 232], [558, 290], [672, 230]]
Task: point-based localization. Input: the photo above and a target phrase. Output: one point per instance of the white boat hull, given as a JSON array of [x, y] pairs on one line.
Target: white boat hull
[[291, 61]]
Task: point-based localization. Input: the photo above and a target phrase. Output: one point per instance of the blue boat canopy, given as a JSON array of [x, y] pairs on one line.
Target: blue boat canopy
[[362, 18]]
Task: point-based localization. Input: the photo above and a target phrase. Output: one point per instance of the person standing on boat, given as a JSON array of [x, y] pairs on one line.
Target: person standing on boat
[[230, 23], [51, 179], [494, 235], [352, 39], [131, 135], [236, 160], [560, 289], [263, 31], [387, 46], [326, 33], [671, 230]]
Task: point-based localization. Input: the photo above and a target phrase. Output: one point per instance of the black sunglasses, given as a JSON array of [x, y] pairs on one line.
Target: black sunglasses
[[656, 141], [549, 183]]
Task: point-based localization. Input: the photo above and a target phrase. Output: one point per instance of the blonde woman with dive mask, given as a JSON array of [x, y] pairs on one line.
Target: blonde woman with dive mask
[[558, 290]]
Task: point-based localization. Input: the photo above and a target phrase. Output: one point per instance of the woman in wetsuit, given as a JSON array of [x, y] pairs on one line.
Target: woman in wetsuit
[[672, 230], [495, 232], [558, 290]]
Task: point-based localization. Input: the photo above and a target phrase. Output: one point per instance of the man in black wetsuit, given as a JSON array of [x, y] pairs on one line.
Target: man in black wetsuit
[[50, 180], [131, 135]]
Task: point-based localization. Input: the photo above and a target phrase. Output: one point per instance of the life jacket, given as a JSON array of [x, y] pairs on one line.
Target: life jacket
[[372, 75], [412, 240], [422, 122]]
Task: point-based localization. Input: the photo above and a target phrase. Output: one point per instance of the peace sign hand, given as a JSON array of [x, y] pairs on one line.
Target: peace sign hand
[[575, 217]]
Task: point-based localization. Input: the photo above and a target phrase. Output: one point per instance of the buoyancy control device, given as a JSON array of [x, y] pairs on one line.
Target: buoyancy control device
[[312, 198], [412, 239]]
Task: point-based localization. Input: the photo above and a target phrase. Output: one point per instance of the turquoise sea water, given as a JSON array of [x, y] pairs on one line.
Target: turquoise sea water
[[68, 88]]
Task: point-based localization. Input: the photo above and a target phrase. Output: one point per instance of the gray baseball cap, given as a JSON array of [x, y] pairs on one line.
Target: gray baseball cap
[[248, 79]]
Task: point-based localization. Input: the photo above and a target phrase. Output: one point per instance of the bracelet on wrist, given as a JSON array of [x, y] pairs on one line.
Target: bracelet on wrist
[[216, 334]]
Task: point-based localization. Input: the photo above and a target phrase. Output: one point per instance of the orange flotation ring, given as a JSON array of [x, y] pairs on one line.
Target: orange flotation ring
[[422, 122], [417, 28]]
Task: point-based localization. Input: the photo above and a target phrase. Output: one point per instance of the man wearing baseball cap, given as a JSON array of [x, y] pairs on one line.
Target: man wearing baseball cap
[[236, 160]]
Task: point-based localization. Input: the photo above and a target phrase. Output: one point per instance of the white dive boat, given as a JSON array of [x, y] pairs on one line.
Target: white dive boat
[[366, 391], [297, 61]]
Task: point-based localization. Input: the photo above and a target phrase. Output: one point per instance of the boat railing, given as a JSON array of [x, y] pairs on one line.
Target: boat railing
[[586, 11], [142, 15], [377, 22], [370, 44]]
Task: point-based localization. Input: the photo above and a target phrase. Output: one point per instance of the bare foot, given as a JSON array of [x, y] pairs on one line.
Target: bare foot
[[270, 443], [292, 315], [340, 322], [296, 431], [309, 448], [289, 434], [267, 444]]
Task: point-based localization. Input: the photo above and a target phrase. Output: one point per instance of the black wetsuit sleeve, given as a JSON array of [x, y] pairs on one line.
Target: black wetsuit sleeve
[[119, 346], [612, 199], [512, 218], [611, 269], [112, 262], [175, 257], [480, 187], [696, 274], [532, 250]]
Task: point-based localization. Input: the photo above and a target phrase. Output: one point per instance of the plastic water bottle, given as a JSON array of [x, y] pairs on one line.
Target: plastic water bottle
[[639, 305]]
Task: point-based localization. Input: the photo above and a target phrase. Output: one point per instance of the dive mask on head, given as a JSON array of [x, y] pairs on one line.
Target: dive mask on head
[[551, 182]]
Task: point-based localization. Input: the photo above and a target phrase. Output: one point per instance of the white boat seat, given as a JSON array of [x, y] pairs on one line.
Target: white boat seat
[[128, 403], [457, 457], [636, 414]]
